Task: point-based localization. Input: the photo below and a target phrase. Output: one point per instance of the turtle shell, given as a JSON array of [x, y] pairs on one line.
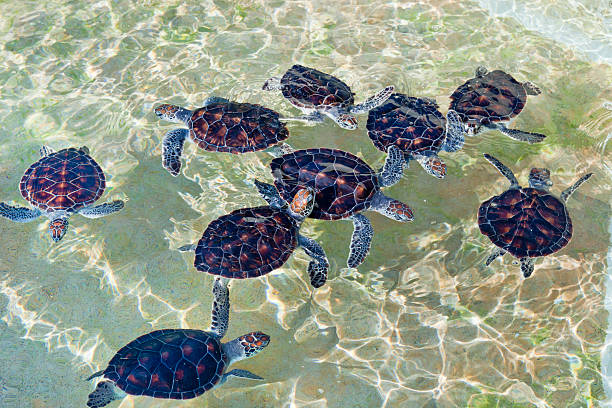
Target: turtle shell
[[311, 89], [234, 127], [493, 97], [343, 183], [414, 125], [526, 222], [171, 363], [247, 243], [63, 181]]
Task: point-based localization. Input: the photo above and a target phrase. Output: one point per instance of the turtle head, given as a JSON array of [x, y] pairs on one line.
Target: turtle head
[[57, 228], [172, 113], [245, 346], [472, 127], [302, 203], [346, 121], [540, 179]]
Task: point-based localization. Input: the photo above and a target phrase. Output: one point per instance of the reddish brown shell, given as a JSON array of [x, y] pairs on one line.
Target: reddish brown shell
[[172, 363], [311, 89], [344, 184], [414, 125], [234, 127], [494, 97], [247, 243], [526, 222], [66, 180]]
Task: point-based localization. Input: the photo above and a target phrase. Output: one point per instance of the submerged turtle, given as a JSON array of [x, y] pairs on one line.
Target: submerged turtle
[[316, 93], [252, 242], [178, 363], [491, 99], [344, 185], [59, 185], [418, 129], [220, 126], [527, 222]]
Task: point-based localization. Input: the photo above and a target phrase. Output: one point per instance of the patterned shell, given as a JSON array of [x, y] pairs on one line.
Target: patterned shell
[[308, 88], [344, 184], [247, 243], [66, 180], [234, 127], [526, 222], [494, 97], [175, 363], [414, 125]]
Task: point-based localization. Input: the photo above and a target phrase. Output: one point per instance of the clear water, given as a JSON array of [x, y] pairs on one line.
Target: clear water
[[422, 323]]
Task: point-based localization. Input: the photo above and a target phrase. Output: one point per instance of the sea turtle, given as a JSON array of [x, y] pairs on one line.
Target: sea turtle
[[59, 185], [491, 99], [316, 93], [178, 363], [418, 129], [344, 185], [527, 222], [252, 242], [220, 126]]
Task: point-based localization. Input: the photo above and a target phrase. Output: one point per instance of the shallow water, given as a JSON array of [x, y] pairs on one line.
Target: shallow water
[[422, 323]]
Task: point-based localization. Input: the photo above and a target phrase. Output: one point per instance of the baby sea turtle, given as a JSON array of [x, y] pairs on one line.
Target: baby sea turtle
[[316, 93], [59, 185], [491, 99], [220, 126], [527, 222], [252, 242], [178, 363], [418, 129], [344, 185]]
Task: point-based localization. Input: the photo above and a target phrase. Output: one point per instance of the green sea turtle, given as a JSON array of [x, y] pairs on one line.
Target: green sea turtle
[[529, 221], [61, 184], [178, 363]]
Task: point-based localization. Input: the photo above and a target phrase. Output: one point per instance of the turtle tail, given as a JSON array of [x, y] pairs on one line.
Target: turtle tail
[[102, 395]]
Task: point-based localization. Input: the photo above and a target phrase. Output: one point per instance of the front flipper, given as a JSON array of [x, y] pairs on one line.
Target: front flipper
[[279, 149], [531, 88], [360, 241], [496, 252], [101, 210], [45, 151], [188, 248], [239, 373], [527, 266], [105, 393], [394, 166], [394, 209], [19, 214], [220, 308], [317, 268], [432, 165], [269, 193], [519, 134], [565, 195], [313, 117], [505, 171], [373, 101], [454, 132], [172, 148]]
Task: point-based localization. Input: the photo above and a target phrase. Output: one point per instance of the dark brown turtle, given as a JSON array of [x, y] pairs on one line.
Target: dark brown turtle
[[220, 126], [418, 129], [178, 363], [527, 222], [252, 242], [492, 99], [61, 184], [316, 94], [344, 185]]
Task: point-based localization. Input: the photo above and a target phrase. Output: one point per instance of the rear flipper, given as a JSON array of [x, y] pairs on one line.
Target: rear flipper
[[279, 149], [188, 248], [454, 132], [239, 373], [519, 134], [360, 241], [496, 252], [373, 101], [317, 268], [101, 210], [172, 148], [272, 84], [104, 394], [19, 214], [527, 266]]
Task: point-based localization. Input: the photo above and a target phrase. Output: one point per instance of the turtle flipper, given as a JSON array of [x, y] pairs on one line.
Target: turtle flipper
[[172, 148], [394, 166], [45, 150], [394, 209], [188, 248], [312, 117], [214, 99], [565, 195], [454, 132], [506, 172], [527, 267], [373, 101], [317, 268], [269, 193], [279, 149], [531, 88], [494, 254], [432, 165], [220, 308], [272, 84], [519, 134], [360, 241], [239, 373], [101, 210], [19, 214], [104, 394]]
